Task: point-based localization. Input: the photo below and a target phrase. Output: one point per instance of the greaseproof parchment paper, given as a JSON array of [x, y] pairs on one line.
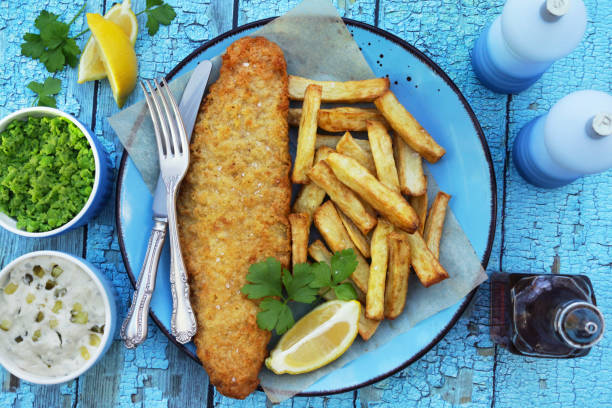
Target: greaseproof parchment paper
[[318, 45]]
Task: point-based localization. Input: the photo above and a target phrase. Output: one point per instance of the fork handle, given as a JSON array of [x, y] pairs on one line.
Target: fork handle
[[183, 325], [135, 326]]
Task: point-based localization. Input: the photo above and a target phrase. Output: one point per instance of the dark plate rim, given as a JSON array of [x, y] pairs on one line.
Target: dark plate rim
[[432, 65]]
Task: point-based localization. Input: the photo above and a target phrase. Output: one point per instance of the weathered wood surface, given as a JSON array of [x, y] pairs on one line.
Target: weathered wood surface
[[538, 230]]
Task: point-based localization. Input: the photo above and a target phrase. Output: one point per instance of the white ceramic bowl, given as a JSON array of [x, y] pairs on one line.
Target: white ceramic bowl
[[110, 312], [102, 180]]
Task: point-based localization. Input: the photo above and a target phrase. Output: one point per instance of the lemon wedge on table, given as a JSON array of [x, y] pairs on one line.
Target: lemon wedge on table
[[91, 67], [316, 339], [117, 55]]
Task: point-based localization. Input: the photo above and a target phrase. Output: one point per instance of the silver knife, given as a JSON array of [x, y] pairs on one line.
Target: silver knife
[[135, 326]]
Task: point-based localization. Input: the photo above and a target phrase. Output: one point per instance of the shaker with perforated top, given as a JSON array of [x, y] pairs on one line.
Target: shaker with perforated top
[[522, 43], [572, 140], [548, 315]]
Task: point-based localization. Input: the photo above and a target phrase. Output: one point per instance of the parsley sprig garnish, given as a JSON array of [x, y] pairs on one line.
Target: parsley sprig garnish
[[269, 281], [56, 49]]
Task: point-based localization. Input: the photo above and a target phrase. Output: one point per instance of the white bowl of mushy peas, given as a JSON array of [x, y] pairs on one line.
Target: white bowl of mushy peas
[[58, 317]]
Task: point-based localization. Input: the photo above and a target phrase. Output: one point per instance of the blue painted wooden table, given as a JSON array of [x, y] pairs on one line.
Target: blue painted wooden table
[[542, 231]]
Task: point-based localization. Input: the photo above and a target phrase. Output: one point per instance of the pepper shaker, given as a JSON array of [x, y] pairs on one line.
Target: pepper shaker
[[525, 40]]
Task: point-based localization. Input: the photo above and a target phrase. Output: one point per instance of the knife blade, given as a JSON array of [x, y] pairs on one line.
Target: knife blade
[[188, 107]]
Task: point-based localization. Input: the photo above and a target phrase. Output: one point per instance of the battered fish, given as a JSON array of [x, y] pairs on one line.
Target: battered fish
[[233, 208]]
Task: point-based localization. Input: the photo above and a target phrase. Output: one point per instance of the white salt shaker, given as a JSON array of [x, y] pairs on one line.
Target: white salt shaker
[[573, 139]]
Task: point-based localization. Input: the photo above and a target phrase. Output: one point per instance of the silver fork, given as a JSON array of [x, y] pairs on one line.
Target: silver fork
[[173, 149]]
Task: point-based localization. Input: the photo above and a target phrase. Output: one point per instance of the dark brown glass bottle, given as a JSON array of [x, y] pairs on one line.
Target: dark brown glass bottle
[[552, 316]]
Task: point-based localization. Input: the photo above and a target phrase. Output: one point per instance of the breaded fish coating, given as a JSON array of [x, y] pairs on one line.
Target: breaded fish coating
[[233, 208]]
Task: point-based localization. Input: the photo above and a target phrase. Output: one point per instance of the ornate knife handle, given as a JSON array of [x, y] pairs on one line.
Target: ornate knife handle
[[183, 325], [134, 329]]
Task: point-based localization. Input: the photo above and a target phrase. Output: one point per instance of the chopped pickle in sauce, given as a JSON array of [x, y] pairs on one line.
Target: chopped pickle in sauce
[[79, 317], [6, 325], [57, 306], [56, 271], [84, 353], [38, 271], [53, 316], [36, 335], [50, 284], [94, 340], [10, 288], [27, 279]]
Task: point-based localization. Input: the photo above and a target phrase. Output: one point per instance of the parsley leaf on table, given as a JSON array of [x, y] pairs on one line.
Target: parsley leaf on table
[[46, 91], [276, 286], [51, 46], [158, 13]]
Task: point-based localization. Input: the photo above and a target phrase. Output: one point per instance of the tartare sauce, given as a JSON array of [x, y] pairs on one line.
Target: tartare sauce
[[52, 316]]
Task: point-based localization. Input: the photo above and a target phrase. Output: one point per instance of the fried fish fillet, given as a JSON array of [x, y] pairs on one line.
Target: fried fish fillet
[[233, 208]]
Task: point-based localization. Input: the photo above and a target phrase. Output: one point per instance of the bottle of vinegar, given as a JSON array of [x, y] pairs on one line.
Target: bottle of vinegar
[[550, 315], [522, 43], [573, 139]]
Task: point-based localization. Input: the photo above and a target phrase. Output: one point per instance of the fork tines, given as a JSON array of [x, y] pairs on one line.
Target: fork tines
[[168, 124]]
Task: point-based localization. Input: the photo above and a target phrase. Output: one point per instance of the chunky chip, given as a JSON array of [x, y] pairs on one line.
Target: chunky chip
[[349, 146], [307, 135], [375, 296], [435, 223], [365, 90], [389, 203], [425, 265], [412, 179], [382, 152], [398, 272], [328, 222], [408, 128], [342, 196], [300, 227]]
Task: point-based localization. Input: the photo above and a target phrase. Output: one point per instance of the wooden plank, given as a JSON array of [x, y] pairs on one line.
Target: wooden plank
[[14, 95], [252, 10], [443, 33], [566, 228], [157, 372]]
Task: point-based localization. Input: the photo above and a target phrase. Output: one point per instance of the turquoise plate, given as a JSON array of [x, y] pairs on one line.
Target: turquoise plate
[[465, 172]]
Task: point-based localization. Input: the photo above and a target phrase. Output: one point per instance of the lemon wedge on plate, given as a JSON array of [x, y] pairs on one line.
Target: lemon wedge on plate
[[316, 339], [91, 67], [117, 55]]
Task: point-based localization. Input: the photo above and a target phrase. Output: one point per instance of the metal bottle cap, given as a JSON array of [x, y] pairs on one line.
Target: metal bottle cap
[[580, 324], [557, 8], [602, 124]]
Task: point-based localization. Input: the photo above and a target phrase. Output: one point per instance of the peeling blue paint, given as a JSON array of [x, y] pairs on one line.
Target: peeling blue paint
[[571, 223]]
